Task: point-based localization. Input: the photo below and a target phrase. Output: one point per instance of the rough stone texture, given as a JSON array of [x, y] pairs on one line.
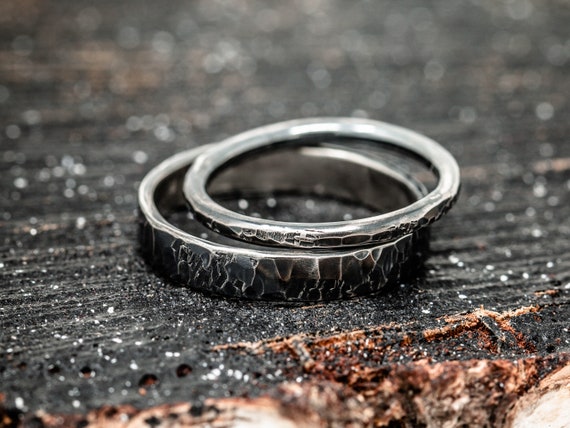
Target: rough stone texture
[[94, 94]]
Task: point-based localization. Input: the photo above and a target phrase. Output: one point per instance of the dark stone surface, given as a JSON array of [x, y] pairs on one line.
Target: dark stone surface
[[92, 95]]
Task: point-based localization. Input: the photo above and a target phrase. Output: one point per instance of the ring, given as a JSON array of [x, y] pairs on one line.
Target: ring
[[206, 260], [379, 228]]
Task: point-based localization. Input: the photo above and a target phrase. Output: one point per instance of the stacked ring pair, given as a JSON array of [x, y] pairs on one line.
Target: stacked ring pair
[[225, 252]]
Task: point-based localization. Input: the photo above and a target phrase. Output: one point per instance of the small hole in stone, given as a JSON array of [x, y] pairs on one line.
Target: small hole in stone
[[148, 379], [53, 369], [183, 370], [86, 372], [153, 421], [110, 412], [197, 410]]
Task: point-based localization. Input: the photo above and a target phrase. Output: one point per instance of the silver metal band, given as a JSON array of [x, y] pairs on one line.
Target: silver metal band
[[203, 259], [384, 227]]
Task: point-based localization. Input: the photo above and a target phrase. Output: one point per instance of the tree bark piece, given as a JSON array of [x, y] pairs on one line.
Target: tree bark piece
[[499, 393]]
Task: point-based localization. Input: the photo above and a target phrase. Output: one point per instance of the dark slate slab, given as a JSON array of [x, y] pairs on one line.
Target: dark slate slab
[[92, 95]]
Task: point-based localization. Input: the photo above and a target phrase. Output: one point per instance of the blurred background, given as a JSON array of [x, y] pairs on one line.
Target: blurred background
[[151, 78]]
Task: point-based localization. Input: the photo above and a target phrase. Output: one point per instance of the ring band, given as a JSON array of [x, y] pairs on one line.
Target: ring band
[[376, 229], [222, 265]]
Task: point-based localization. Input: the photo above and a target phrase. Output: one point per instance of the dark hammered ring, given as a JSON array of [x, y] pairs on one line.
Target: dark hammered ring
[[208, 261]]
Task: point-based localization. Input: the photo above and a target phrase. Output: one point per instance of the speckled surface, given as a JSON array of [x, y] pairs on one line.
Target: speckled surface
[[93, 95]]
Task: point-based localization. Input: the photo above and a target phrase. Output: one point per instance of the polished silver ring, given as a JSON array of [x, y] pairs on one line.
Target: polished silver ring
[[381, 228], [198, 257]]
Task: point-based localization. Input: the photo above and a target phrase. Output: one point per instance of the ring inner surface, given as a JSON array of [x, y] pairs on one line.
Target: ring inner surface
[[314, 183]]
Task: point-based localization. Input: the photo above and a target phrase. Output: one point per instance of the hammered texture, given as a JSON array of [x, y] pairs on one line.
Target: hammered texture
[[314, 238], [326, 276]]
